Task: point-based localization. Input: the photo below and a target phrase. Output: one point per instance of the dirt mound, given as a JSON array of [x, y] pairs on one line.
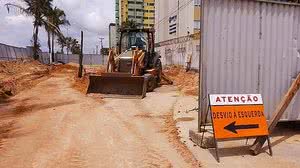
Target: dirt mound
[[187, 82], [16, 76], [80, 84]]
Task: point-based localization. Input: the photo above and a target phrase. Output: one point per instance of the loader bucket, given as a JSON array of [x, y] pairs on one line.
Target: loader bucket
[[118, 85]]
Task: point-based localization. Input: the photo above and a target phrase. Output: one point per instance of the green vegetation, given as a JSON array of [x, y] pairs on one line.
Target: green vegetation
[[45, 15], [58, 18], [38, 9]]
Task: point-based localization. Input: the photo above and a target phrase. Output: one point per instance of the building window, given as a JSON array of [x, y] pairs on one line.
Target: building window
[[151, 18], [197, 2], [197, 24], [148, 4], [150, 11]]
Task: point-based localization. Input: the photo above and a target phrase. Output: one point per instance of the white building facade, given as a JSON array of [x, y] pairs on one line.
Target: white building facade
[[177, 26], [176, 18]]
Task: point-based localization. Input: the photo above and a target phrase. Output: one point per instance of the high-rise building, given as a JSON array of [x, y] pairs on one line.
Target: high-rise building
[[140, 11], [149, 13]]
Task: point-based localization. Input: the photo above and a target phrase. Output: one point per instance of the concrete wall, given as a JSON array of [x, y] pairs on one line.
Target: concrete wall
[[176, 51]]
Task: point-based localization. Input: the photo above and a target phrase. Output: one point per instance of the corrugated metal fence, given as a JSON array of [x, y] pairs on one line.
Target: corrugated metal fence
[[88, 59], [8, 52], [251, 47]]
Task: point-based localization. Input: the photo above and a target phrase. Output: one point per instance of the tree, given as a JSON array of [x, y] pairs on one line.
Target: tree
[[104, 51], [58, 18], [38, 10], [62, 43], [68, 41], [72, 45], [129, 24], [75, 49]]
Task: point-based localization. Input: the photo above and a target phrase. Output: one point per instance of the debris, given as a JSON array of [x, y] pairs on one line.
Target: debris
[[187, 82]]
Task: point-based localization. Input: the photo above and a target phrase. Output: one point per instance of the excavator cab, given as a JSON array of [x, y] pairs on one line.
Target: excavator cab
[[132, 70]]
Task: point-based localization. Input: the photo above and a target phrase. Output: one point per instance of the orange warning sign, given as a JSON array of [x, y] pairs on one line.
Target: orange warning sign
[[236, 116]]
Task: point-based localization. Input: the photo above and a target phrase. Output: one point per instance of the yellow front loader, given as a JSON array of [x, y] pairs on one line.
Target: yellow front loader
[[133, 72]]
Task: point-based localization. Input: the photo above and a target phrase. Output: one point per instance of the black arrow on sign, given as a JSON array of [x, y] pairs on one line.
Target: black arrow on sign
[[233, 128]]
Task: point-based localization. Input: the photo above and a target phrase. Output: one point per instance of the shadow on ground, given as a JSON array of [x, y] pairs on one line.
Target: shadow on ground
[[10, 112], [284, 130]]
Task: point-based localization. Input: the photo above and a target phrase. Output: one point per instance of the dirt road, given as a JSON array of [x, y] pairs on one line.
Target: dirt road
[[53, 125]]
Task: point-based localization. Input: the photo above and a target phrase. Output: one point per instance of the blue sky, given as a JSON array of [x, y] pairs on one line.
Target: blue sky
[[91, 16]]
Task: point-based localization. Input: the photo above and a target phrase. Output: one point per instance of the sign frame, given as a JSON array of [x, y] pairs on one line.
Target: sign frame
[[203, 130]]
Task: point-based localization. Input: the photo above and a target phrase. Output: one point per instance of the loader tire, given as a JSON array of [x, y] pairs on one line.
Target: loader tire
[[158, 66], [151, 84]]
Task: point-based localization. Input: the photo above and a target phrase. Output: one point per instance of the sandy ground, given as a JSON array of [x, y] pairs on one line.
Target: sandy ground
[[55, 125], [285, 142]]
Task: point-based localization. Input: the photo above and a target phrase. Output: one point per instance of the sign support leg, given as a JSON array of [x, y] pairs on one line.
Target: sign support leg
[[270, 147], [215, 141], [203, 131], [217, 150]]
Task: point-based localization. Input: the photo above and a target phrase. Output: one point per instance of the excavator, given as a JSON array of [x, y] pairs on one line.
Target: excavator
[[132, 70]]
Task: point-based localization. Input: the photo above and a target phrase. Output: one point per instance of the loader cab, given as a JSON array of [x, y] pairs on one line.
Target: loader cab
[[142, 39]]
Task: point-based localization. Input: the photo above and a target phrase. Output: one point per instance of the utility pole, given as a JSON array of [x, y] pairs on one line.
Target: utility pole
[[101, 43], [81, 57], [97, 49], [178, 28], [101, 46]]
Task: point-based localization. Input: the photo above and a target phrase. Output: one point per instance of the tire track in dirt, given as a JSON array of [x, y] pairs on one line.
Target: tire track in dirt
[[152, 158], [65, 128]]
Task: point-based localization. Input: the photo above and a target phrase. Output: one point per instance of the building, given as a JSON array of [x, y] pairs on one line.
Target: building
[[149, 13], [177, 26], [112, 35], [140, 11], [176, 18]]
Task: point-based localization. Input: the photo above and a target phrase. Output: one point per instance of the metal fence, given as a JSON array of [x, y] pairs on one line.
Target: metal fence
[[88, 59], [8, 52], [251, 47]]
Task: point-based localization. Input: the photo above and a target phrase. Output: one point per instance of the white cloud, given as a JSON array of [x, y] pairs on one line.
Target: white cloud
[[16, 20], [91, 16]]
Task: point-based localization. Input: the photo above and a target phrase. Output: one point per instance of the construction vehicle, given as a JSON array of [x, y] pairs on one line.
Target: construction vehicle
[[132, 70]]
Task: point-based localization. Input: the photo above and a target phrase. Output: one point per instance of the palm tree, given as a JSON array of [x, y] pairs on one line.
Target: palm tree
[[74, 46], [68, 41], [62, 43], [38, 10], [58, 18], [75, 49], [131, 24]]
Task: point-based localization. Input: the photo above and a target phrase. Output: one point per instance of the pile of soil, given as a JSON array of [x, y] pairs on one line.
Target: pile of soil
[[187, 82], [18, 75], [80, 84]]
